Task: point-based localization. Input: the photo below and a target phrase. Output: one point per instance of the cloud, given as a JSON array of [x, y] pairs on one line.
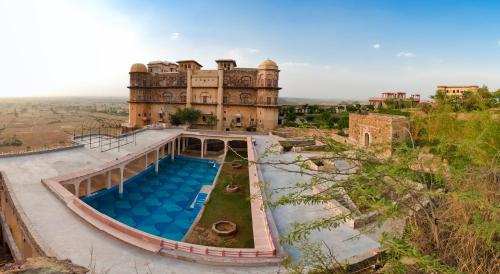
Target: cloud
[[376, 46], [405, 54], [175, 36]]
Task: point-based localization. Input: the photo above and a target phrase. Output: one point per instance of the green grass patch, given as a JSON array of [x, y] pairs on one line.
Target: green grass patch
[[234, 207]]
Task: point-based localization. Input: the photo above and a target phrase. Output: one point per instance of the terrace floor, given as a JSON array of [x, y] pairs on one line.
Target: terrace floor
[[66, 235], [345, 242]]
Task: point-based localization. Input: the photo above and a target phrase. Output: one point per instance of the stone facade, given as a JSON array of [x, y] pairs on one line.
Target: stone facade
[[380, 130], [229, 98], [457, 90]]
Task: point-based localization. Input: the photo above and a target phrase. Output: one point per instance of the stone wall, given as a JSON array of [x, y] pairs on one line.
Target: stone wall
[[15, 230], [377, 131]]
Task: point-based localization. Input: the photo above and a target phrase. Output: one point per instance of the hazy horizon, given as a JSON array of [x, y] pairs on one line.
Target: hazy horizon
[[333, 50]]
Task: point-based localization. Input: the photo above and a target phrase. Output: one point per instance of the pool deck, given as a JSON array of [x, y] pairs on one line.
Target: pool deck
[[63, 234]]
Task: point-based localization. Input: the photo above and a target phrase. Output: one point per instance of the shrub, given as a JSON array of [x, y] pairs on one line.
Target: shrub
[[186, 116]]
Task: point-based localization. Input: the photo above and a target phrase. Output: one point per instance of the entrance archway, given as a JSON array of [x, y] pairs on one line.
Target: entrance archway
[[367, 139]]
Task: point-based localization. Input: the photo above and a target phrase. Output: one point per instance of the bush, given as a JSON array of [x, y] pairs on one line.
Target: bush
[[187, 116]]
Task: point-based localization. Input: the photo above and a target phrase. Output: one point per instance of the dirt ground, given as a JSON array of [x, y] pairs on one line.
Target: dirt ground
[[47, 122]]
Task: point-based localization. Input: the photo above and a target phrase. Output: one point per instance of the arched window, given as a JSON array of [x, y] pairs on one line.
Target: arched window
[[167, 96], [245, 81], [183, 97], [245, 98], [205, 98]]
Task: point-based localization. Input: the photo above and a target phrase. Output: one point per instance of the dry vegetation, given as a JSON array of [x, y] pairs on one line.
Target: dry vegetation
[[37, 123]]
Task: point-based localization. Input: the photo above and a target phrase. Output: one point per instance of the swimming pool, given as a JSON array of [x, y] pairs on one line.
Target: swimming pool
[[160, 204]]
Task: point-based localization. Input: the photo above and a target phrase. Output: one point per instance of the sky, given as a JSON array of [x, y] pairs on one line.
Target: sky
[[325, 49]]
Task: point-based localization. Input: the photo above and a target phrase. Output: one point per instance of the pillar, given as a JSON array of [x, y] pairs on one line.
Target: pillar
[[202, 148], [172, 148], [89, 186], [189, 88], [225, 147], [184, 144], [77, 189], [220, 99], [179, 145], [157, 160], [108, 183], [146, 161], [120, 184]]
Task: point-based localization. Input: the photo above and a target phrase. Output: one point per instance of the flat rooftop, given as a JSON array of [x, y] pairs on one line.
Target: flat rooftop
[[63, 234]]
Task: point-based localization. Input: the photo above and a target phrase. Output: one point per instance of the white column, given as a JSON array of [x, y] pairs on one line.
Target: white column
[[157, 160], [120, 186], [225, 147], [146, 160], [202, 148], [108, 183], [178, 146], [172, 149], [89, 186]]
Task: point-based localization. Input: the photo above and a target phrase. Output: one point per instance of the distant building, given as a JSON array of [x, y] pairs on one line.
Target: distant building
[[457, 90], [396, 97], [228, 97]]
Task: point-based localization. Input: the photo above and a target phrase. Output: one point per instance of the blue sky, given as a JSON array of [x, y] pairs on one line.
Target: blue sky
[[325, 49]]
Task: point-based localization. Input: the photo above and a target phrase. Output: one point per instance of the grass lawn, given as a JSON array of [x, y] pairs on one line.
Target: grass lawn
[[234, 207]]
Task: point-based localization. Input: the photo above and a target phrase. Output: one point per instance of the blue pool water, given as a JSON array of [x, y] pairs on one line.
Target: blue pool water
[[159, 204]]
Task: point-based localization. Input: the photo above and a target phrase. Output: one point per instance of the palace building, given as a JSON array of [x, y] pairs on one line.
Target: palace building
[[229, 98]]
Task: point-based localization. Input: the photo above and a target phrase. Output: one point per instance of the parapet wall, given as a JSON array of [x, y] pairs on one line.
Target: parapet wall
[[21, 240]]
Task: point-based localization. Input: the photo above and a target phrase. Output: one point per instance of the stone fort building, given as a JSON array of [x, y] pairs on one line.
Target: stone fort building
[[229, 98]]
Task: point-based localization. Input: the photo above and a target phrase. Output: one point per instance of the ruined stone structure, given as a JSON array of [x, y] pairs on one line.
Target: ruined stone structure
[[398, 98], [228, 97], [380, 130], [457, 90]]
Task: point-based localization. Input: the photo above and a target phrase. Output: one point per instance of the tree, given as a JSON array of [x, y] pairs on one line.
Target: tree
[[186, 116], [452, 193]]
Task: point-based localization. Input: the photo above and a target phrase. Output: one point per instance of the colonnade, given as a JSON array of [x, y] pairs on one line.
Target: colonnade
[[115, 175]]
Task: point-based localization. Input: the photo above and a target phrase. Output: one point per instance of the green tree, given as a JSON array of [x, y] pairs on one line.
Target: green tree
[[186, 116], [452, 194]]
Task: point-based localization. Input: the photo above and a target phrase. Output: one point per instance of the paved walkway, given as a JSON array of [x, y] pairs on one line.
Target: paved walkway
[[342, 240], [70, 237]]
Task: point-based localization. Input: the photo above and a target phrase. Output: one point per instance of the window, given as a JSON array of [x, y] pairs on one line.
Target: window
[[225, 100], [245, 98], [205, 99], [268, 100]]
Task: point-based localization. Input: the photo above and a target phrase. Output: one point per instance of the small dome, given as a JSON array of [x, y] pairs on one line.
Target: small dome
[[268, 64], [138, 68]]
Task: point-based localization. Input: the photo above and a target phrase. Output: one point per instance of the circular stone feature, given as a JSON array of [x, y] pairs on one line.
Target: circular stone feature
[[224, 228], [232, 188]]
